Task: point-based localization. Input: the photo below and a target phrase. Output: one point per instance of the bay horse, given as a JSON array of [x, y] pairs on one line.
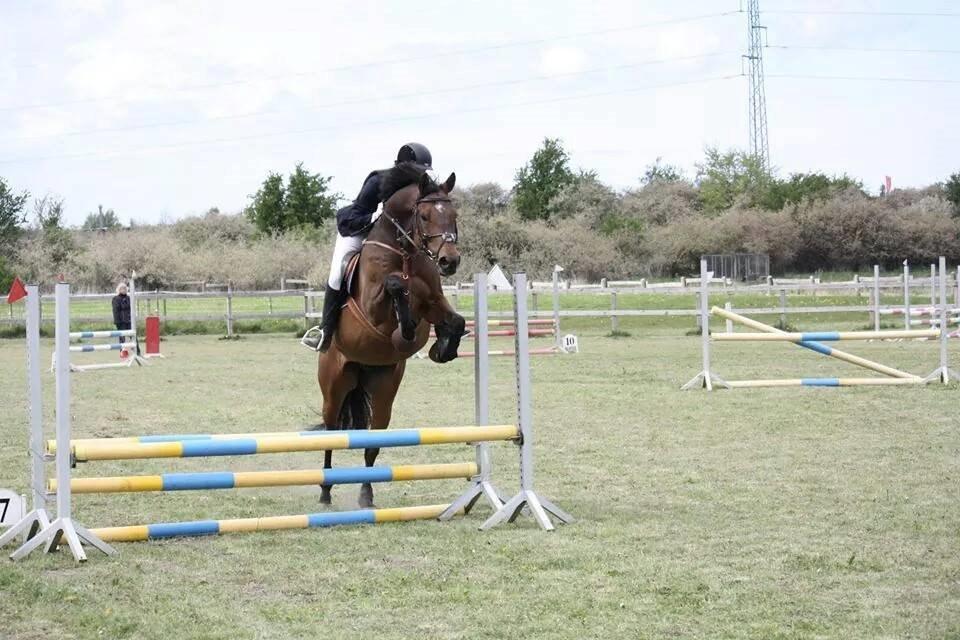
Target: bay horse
[[395, 297]]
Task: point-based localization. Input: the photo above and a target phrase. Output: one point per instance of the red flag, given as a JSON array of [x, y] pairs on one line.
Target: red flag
[[17, 291]]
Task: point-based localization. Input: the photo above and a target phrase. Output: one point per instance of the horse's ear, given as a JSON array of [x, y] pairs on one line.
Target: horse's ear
[[447, 186], [425, 182]]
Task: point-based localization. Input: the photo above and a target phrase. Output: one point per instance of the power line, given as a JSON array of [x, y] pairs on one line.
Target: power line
[[895, 14], [865, 78], [412, 94], [341, 126], [379, 63], [864, 49]]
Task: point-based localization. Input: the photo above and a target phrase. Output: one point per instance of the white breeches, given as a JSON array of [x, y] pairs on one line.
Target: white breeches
[[341, 249]]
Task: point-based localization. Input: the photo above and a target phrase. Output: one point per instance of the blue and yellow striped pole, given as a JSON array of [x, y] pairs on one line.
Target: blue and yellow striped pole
[[814, 346], [140, 533], [825, 336], [251, 479], [823, 382], [303, 442]]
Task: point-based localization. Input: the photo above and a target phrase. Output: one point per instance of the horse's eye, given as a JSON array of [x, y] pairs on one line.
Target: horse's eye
[[425, 217]]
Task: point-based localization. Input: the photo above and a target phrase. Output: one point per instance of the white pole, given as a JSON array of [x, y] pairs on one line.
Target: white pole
[[876, 297], [906, 295], [556, 305], [37, 519], [481, 484], [933, 286], [132, 290], [945, 372], [539, 506], [63, 528]]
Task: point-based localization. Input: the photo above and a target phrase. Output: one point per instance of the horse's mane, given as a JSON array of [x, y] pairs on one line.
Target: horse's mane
[[403, 175]]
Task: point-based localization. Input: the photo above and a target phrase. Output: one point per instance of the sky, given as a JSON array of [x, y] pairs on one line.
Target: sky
[[163, 110]]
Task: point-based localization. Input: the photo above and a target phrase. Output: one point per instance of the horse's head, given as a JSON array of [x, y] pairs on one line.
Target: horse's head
[[435, 219]]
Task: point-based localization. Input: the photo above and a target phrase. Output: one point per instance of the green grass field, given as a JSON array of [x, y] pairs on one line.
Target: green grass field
[[797, 513]]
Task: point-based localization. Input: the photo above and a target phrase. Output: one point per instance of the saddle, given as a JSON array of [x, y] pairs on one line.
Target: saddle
[[351, 270], [350, 263]]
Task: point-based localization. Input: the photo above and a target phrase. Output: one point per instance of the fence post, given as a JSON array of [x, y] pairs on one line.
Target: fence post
[[956, 298], [556, 305], [729, 307], [307, 305], [229, 308], [933, 286], [906, 295], [614, 324], [783, 308], [876, 297]]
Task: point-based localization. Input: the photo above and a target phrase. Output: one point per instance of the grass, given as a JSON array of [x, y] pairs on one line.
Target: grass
[[797, 513]]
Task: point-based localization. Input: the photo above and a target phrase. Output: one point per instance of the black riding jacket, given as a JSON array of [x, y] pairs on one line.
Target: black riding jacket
[[121, 311], [354, 219]]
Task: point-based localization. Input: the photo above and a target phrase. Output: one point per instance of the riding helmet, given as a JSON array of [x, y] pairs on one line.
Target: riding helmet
[[415, 152]]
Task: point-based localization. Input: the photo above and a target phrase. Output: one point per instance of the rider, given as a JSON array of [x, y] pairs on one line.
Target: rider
[[354, 221]]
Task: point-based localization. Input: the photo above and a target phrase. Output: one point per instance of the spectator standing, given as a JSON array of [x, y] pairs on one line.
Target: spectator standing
[[121, 312]]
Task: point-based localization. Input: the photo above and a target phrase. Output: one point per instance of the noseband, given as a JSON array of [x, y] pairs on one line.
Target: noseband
[[408, 236]]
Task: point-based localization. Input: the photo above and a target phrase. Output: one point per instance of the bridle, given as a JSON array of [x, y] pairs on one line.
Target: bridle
[[408, 236]]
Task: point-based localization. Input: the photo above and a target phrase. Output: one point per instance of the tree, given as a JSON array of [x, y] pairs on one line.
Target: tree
[[267, 206], [308, 202], [304, 201], [593, 204], [11, 217], [952, 188], [57, 242], [660, 172], [541, 179], [101, 220], [486, 199], [725, 178], [805, 186]]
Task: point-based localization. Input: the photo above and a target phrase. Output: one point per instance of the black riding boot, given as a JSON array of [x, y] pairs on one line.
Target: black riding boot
[[332, 304]]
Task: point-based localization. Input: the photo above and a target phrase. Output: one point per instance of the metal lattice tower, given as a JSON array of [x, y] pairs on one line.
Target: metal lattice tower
[[759, 147]]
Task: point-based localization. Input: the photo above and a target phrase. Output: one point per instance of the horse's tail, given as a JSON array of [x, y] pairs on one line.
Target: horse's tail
[[355, 412]]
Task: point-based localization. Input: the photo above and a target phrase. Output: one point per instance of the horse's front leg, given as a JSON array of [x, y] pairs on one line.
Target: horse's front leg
[[449, 327], [398, 290]]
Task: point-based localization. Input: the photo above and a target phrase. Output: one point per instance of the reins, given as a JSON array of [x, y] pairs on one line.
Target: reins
[[408, 236]]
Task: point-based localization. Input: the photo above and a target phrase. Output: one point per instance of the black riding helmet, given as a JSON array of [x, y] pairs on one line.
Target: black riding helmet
[[415, 152]]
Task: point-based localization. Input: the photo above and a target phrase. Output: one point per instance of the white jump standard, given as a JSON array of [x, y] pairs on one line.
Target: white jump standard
[[813, 341], [65, 531]]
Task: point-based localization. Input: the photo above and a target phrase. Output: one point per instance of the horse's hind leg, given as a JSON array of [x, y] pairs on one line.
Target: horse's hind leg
[[336, 381], [382, 385]]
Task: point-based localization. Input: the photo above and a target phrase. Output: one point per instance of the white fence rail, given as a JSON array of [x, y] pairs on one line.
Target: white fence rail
[[873, 288]]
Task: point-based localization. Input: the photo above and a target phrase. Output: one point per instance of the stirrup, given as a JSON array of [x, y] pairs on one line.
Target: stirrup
[[313, 333]]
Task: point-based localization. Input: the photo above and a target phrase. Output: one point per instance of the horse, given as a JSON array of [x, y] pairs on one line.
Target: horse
[[396, 295]]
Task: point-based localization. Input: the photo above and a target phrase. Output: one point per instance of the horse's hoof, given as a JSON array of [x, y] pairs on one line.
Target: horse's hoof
[[366, 499], [325, 497]]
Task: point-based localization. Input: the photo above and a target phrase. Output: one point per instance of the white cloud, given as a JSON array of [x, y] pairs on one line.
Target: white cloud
[[687, 40], [37, 123], [86, 6], [562, 60]]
